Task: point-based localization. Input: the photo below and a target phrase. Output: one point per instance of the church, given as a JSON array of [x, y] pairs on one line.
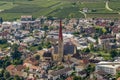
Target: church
[[62, 51]]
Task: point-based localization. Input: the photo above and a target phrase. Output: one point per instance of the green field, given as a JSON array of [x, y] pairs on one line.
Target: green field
[[13, 9]]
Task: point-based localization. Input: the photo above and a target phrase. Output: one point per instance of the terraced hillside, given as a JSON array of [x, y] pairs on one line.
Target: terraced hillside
[[13, 9]]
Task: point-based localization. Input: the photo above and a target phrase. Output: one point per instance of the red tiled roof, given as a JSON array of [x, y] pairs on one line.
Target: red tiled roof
[[69, 78], [106, 36], [10, 67], [32, 61], [20, 67], [116, 30]]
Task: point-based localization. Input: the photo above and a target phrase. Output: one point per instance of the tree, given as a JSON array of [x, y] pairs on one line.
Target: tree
[[87, 50], [91, 47], [5, 62], [77, 78], [104, 30], [2, 73], [118, 74], [37, 57], [16, 54], [113, 53], [46, 44], [40, 47], [108, 76], [74, 3], [50, 18], [51, 27], [90, 69], [6, 74], [14, 47], [1, 20], [10, 78], [76, 33], [17, 77], [93, 10], [45, 28], [3, 41], [71, 15], [17, 61], [112, 23]]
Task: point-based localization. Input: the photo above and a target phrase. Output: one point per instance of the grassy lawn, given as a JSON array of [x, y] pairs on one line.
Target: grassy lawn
[[56, 8], [3, 46], [105, 55]]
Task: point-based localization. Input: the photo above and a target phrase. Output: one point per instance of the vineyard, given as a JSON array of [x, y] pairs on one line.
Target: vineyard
[[13, 9]]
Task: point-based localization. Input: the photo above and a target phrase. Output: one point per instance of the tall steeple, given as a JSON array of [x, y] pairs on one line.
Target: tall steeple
[[60, 31], [60, 43]]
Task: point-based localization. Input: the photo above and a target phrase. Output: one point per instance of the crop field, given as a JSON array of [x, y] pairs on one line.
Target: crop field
[[13, 9]]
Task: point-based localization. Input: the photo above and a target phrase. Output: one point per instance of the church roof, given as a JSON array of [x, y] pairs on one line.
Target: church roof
[[68, 49], [77, 56], [47, 54]]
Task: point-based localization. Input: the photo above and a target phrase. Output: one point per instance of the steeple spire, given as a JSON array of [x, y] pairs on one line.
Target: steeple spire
[[60, 31]]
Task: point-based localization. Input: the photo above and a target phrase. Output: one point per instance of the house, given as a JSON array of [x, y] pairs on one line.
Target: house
[[31, 77], [91, 40], [31, 61], [115, 30], [82, 73], [44, 65], [6, 26], [16, 25], [5, 35], [22, 48], [2, 55], [17, 70], [20, 68], [81, 43], [106, 39], [89, 31], [107, 67], [118, 39], [38, 33], [29, 23], [104, 68], [69, 64], [29, 40], [79, 68], [31, 67], [56, 74]]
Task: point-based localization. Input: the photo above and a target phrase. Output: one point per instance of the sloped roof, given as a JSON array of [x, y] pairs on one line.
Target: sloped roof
[[60, 72], [68, 49], [47, 54]]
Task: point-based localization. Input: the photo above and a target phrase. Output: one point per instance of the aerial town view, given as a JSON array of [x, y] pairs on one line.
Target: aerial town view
[[59, 39]]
